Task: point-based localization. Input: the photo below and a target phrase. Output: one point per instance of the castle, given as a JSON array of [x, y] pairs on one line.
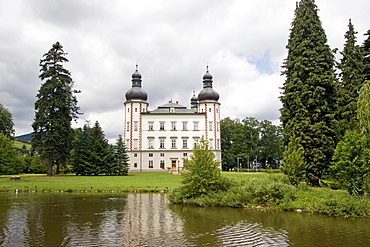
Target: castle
[[159, 140]]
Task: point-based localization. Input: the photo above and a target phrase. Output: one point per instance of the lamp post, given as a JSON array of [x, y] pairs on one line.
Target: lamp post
[[237, 163]]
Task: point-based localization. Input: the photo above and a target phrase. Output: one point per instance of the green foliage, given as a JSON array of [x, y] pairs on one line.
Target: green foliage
[[6, 122], [203, 176], [366, 56], [351, 166], [120, 157], [98, 157], [326, 201], [38, 165], [363, 109], [247, 139], [11, 161], [92, 155], [293, 162], [351, 79], [309, 90], [55, 108]]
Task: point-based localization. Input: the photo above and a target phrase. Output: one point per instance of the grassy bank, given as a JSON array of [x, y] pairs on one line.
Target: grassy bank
[[143, 182], [273, 191], [248, 190]]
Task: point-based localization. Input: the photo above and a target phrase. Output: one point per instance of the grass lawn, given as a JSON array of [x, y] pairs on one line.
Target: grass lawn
[[135, 181]]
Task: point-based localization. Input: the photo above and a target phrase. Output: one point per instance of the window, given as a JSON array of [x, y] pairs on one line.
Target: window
[[161, 125], [184, 143], [151, 155], [210, 109], [161, 143], [173, 143], [136, 144], [161, 164], [210, 125], [136, 125], [196, 140], [218, 126], [135, 109], [184, 125], [150, 143], [173, 125], [128, 126], [135, 155], [150, 125], [127, 142], [161, 154], [196, 125], [135, 164], [210, 143], [150, 163], [185, 154], [128, 109]]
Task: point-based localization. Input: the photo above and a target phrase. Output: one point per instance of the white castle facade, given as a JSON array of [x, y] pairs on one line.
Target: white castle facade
[[159, 140]]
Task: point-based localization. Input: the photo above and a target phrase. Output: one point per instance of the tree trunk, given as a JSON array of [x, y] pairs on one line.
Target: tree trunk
[[50, 164]]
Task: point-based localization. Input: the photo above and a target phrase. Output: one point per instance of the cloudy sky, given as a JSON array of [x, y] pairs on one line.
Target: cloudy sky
[[243, 42]]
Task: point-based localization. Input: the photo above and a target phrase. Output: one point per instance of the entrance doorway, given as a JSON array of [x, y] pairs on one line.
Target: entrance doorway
[[173, 166]]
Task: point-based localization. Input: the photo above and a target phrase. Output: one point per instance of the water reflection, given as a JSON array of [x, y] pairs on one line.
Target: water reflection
[[67, 219]]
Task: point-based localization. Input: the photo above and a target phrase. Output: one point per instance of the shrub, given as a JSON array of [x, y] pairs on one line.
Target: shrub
[[203, 176]]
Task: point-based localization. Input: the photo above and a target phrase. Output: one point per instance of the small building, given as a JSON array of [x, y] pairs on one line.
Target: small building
[[160, 139]]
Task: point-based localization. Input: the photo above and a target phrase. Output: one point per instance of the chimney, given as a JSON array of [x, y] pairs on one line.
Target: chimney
[[177, 102]]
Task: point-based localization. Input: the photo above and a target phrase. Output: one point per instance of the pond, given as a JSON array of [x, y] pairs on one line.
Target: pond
[[88, 219]]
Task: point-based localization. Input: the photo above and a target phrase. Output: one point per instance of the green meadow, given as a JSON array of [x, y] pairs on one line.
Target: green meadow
[[134, 182]]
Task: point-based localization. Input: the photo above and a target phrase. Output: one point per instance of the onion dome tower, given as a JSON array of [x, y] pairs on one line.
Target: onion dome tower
[[194, 102], [208, 93], [209, 105], [136, 104], [136, 93]]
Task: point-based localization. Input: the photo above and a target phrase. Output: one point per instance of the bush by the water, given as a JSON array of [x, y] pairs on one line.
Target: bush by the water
[[275, 191], [203, 176]]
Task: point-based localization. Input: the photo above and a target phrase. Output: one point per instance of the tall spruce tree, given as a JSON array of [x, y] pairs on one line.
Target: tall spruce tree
[[120, 158], [98, 157], [309, 93], [350, 81], [366, 56], [79, 151], [55, 108]]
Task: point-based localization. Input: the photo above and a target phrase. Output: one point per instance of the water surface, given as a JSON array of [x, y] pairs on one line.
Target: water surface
[[79, 219]]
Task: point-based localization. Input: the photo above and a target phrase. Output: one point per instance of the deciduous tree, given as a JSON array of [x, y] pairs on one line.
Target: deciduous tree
[[6, 122], [203, 175], [11, 161]]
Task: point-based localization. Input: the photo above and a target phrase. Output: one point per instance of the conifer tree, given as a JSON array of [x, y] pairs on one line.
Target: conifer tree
[[79, 151], [120, 158], [351, 79], [99, 158], [55, 108], [309, 90], [366, 56]]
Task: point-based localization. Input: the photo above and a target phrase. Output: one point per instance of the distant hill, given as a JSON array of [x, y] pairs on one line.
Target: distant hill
[[27, 137]]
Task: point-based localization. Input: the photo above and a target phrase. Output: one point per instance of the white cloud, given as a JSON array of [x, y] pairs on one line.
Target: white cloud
[[242, 41]]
